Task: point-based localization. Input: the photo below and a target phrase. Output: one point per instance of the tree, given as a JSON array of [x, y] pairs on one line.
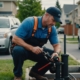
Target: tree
[[29, 8], [58, 6], [57, 25]]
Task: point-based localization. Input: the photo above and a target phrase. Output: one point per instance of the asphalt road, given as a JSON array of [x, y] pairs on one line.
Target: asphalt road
[[5, 57], [72, 49]]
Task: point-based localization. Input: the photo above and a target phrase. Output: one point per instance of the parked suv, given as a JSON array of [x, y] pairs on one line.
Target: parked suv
[[8, 25]]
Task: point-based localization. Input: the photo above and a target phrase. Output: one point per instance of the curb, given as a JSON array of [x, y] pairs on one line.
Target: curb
[[73, 57]]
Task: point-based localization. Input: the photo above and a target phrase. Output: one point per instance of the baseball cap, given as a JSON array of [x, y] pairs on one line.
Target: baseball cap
[[55, 12]]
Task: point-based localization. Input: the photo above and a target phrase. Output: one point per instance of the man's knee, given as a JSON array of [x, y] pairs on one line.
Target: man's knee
[[18, 50]]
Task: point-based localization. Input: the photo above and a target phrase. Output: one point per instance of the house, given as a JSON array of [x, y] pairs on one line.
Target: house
[[8, 7], [74, 18], [67, 20], [65, 10]]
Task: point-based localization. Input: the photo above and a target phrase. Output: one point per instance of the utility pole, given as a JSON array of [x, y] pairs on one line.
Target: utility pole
[[73, 18]]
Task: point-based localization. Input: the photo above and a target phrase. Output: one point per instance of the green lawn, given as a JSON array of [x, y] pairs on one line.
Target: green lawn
[[72, 39], [6, 68], [73, 62]]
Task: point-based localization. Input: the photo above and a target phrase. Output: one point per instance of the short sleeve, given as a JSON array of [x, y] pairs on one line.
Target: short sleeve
[[25, 28]]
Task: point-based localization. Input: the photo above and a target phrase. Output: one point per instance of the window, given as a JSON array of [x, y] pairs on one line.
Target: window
[[76, 13], [1, 4], [67, 16], [4, 23]]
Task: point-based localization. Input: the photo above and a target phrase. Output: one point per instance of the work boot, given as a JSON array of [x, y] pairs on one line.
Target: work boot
[[37, 76], [17, 78]]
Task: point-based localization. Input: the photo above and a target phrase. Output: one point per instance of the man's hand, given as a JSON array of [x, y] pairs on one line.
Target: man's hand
[[52, 56], [37, 50]]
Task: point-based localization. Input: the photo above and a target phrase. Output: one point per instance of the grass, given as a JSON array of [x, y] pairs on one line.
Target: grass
[[73, 42], [72, 39], [6, 68], [73, 62]]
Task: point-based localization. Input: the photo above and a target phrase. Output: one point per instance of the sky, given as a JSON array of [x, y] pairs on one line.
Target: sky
[[48, 3]]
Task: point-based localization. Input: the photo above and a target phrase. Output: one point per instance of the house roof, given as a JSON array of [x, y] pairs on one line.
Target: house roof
[[68, 7]]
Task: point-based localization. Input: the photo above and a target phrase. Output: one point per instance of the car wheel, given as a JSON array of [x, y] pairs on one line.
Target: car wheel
[[9, 47]]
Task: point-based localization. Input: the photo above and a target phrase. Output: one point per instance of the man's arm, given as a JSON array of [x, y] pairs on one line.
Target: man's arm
[[57, 48], [21, 42], [27, 46]]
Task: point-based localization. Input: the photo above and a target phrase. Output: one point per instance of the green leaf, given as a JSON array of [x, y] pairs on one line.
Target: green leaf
[[29, 8]]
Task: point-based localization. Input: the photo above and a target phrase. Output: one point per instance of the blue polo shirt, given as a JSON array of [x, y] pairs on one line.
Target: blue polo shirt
[[24, 31]]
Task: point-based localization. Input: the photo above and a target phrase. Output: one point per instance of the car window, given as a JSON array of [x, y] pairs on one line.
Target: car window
[[17, 21], [11, 22], [4, 23]]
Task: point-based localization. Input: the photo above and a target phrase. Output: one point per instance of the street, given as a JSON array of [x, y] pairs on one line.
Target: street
[[5, 57], [72, 49]]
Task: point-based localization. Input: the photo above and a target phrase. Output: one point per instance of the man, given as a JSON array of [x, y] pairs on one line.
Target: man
[[30, 47]]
